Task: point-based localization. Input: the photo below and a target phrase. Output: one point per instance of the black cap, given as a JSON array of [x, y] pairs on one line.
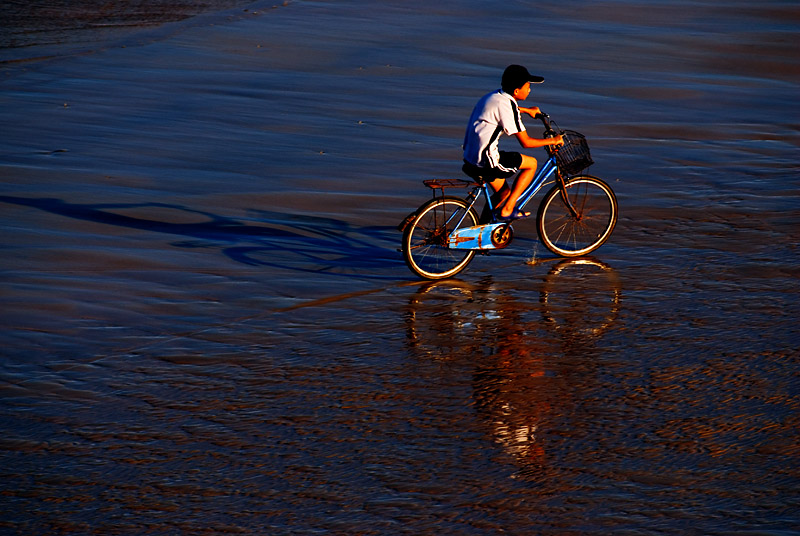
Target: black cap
[[515, 77]]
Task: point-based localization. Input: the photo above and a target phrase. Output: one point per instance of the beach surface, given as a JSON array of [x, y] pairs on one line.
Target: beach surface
[[206, 326]]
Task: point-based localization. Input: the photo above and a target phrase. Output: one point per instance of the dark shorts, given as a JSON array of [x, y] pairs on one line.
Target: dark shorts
[[510, 160]]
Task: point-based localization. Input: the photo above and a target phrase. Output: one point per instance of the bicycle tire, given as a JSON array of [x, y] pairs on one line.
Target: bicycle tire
[[572, 236], [425, 238]]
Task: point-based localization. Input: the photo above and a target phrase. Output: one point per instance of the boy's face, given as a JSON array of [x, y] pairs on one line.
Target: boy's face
[[521, 93]]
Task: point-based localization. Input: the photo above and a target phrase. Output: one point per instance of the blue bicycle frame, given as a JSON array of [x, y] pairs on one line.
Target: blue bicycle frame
[[479, 237], [542, 175]]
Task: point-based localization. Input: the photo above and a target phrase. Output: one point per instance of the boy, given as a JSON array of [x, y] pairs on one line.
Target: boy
[[498, 113]]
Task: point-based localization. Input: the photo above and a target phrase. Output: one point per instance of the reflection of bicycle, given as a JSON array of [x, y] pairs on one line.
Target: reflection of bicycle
[[445, 319], [581, 298], [575, 217]]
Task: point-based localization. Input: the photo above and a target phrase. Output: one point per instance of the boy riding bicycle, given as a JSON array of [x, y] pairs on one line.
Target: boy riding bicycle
[[497, 113]]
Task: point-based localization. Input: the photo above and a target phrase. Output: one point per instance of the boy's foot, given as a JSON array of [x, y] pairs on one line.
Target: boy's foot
[[516, 215]]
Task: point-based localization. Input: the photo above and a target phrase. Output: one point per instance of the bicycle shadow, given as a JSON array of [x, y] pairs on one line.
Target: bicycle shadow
[[270, 239]]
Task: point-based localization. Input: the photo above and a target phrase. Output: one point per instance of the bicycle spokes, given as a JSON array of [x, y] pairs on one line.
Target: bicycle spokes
[[576, 218]]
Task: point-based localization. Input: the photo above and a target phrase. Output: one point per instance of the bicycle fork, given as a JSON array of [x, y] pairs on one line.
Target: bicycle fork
[[562, 186]]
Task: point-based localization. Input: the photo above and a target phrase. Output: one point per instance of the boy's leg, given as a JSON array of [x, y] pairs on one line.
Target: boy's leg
[[501, 192], [526, 172]]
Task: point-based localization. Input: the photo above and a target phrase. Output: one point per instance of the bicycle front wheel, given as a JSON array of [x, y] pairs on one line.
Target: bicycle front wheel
[[571, 234], [425, 238]]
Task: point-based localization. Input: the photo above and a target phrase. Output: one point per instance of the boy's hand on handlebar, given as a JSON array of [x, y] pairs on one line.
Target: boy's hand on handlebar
[[533, 112], [557, 140]]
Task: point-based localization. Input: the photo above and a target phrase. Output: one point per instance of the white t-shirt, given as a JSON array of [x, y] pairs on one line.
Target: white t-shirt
[[494, 114]]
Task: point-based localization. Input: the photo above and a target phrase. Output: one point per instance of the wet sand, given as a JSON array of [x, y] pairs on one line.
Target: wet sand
[[207, 327], [32, 25]]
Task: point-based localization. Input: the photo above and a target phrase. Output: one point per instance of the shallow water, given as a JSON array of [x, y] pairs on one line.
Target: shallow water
[[207, 329]]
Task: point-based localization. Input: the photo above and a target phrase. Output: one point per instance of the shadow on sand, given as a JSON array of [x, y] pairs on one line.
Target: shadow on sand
[[288, 241]]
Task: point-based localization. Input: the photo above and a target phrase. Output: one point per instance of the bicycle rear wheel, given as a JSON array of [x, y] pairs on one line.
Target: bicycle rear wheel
[[571, 235], [425, 238]]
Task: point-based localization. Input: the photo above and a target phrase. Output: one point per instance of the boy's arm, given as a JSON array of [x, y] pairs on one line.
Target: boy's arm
[[533, 112], [529, 143]]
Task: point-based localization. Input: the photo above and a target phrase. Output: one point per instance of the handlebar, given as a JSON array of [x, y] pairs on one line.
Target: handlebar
[[545, 119], [549, 132]]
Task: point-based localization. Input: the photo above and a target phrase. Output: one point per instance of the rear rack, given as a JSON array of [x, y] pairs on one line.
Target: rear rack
[[437, 186], [448, 183]]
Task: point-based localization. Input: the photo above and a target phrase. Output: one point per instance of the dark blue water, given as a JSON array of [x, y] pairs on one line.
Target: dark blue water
[[206, 327]]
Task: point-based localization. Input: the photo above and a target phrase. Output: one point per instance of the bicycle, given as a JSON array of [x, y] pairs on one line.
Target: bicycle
[[576, 216]]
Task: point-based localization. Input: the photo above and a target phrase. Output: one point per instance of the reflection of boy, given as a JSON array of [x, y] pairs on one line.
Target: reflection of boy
[[498, 113]]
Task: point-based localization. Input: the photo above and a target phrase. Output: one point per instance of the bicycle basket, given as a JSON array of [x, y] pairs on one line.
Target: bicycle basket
[[573, 157]]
